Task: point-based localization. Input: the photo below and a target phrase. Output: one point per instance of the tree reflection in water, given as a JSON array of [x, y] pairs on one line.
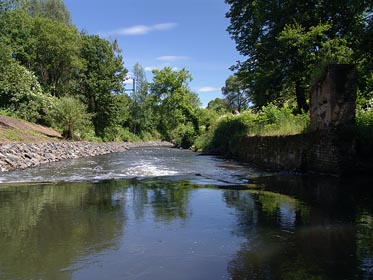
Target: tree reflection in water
[[47, 228], [326, 236]]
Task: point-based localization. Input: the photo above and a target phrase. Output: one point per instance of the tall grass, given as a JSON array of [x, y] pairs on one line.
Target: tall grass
[[269, 121]]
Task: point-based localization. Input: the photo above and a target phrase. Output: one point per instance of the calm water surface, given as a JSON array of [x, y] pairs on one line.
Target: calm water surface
[[160, 213]]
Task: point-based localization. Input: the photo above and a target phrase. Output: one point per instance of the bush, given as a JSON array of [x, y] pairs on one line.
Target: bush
[[364, 123], [184, 136], [270, 120], [273, 120], [117, 133], [21, 94], [69, 115]]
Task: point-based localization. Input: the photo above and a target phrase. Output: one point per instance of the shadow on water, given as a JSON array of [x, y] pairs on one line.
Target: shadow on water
[[188, 226], [304, 227]]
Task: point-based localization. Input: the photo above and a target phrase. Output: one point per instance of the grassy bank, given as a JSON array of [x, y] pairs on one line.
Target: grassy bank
[[270, 120]]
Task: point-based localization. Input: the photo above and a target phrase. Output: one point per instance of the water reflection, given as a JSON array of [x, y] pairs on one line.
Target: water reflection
[[325, 236], [46, 228], [283, 227]]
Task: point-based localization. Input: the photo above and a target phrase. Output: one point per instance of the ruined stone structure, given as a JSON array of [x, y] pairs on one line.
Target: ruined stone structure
[[329, 147], [332, 98]]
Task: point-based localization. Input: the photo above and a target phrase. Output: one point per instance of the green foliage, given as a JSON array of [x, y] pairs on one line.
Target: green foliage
[[141, 121], [55, 54], [218, 105], [70, 116], [48, 48], [101, 78], [270, 120], [284, 42], [236, 95], [174, 104], [21, 93], [7, 5], [184, 135], [119, 133], [273, 120], [364, 123], [52, 9]]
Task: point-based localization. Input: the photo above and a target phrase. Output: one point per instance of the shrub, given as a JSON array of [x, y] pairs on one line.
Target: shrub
[[117, 133], [183, 135], [364, 123], [70, 116], [270, 120], [273, 120], [22, 95]]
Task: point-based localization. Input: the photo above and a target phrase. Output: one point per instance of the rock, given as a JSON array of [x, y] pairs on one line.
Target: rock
[[21, 155]]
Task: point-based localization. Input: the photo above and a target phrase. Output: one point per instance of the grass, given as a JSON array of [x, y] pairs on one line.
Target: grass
[[270, 121]]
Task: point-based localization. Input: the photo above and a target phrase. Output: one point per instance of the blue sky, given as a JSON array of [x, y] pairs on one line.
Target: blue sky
[[190, 34]]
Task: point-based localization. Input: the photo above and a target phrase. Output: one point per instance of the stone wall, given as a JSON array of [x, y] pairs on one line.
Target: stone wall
[[324, 151]]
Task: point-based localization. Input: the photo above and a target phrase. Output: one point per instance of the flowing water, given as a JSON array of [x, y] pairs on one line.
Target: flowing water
[[162, 213]]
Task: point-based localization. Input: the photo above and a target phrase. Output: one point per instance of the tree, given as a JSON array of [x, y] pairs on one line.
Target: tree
[[236, 94], [7, 5], [174, 103], [48, 48], [21, 93], [100, 80], [274, 69], [15, 32], [70, 115], [52, 9], [141, 110], [55, 54], [218, 105]]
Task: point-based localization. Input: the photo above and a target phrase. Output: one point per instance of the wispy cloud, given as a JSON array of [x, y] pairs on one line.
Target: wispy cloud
[[142, 29], [150, 68], [208, 89], [172, 58]]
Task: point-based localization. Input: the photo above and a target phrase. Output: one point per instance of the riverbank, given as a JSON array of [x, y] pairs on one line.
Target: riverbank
[[23, 155]]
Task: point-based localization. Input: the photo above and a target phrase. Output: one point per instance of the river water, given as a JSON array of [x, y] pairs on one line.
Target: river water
[[163, 213]]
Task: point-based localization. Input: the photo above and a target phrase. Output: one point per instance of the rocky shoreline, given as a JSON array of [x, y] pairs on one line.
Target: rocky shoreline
[[21, 155]]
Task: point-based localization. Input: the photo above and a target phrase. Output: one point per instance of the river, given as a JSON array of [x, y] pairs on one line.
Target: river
[[163, 213]]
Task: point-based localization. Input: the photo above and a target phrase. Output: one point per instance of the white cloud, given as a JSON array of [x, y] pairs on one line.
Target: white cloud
[[208, 89], [172, 58], [164, 26], [133, 30], [150, 68], [143, 29]]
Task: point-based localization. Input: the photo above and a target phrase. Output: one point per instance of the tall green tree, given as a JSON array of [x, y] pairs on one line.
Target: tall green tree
[[7, 5], [175, 104], [100, 80], [52, 9], [272, 69], [219, 105], [236, 94], [55, 54], [141, 109], [49, 48]]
